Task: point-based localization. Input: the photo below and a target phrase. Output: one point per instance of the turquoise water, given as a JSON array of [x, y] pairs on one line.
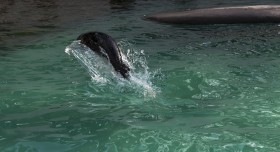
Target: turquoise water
[[194, 88]]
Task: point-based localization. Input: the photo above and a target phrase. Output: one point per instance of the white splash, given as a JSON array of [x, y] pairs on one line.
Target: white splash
[[102, 72]]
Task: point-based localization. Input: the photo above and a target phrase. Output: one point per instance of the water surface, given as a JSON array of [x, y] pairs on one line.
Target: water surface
[[211, 88]]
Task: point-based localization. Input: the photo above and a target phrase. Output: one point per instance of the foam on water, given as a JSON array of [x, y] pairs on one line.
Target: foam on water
[[102, 73]]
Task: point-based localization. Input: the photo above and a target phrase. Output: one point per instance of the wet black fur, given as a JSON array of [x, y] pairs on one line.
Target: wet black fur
[[98, 42]]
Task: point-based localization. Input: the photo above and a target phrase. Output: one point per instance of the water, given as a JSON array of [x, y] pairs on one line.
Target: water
[[208, 88]]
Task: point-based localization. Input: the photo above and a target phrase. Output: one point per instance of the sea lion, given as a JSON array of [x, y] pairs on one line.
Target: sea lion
[[105, 46], [221, 15]]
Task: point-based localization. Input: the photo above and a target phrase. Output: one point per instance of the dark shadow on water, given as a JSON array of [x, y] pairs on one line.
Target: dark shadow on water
[[24, 20], [122, 4], [5, 51]]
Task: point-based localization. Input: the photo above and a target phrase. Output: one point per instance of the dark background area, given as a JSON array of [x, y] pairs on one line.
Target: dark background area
[[23, 20]]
